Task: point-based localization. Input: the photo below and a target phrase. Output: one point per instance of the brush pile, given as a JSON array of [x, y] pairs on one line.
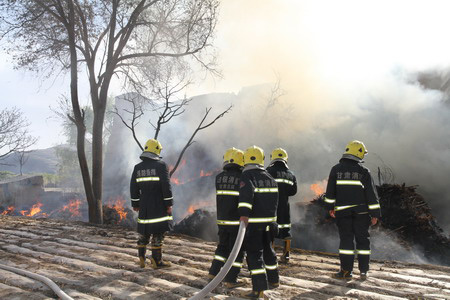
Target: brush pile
[[118, 215], [406, 213], [201, 224], [406, 223]]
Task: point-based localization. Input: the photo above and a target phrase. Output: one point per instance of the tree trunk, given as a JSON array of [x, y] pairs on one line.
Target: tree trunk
[[78, 119], [97, 160], [93, 215], [99, 107]]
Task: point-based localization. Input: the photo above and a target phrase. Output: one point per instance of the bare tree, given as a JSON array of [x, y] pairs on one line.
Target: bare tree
[[167, 86], [108, 38], [135, 112], [14, 135], [202, 125], [22, 158]]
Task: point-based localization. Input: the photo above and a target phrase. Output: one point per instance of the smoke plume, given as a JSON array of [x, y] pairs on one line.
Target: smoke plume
[[310, 80]]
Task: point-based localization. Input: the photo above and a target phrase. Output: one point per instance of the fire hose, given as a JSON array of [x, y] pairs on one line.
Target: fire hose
[[226, 267], [41, 278]]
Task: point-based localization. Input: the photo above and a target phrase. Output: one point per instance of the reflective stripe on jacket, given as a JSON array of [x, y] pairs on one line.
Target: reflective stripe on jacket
[[350, 189], [227, 196], [258, 197], [151, 191], [287, 186]]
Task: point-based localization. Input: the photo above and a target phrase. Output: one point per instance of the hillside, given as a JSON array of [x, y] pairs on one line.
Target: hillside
[[39, 161], [98, 262]]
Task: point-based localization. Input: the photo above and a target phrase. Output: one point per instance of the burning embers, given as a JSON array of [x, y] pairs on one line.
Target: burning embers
[[38, 210], [35, 210], [8, 211], [73, 209], [117, 205], [199, 205], [114, 212], [182, 178], [178, 181]]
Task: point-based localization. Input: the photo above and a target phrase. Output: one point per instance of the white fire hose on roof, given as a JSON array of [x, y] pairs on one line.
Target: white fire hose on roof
[[44, 279], [226, 267]]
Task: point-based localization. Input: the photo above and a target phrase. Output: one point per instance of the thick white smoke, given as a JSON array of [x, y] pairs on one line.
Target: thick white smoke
[[347, 71]]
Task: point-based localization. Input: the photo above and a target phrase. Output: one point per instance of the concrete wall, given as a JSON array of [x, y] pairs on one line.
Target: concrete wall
[[21, 191]]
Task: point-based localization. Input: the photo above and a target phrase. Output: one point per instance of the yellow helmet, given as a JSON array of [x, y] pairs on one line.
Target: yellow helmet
[[153, 146], [254, 155], [279, 154], [356, 148], [233, 156]]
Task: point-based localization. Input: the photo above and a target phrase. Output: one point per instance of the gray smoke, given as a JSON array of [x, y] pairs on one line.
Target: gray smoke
[[406, 131]]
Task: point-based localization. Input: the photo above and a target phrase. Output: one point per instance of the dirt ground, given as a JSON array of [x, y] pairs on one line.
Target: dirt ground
[[99, 262]]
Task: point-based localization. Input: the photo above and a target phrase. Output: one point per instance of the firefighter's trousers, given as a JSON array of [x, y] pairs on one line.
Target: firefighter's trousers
[[354, 228], [156, 245], [261, 258], [284, 221], [227, 237]]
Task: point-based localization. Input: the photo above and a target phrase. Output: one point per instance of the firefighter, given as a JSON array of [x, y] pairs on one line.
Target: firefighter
[[287, 186], [227, 199], [352, 199], [258, 199], [151, 196]]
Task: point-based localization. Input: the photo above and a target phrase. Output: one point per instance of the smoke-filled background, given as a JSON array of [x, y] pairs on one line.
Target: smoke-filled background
[[346, 70]]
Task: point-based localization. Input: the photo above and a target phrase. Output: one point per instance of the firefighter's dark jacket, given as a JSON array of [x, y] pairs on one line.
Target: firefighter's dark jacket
[[258, 197], [351, 189], [151, 191], [227, 197], [285, 178]]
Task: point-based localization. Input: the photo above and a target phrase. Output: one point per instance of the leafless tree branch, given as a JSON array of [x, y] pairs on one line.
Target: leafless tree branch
[[199, 127]]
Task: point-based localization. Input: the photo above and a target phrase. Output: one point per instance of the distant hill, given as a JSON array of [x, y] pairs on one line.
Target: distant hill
[[39, 161]]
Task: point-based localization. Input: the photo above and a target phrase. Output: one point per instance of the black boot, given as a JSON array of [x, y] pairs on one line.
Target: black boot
[[141, 254], [342, 274], [363, 276], [253, 295], [157, 262]]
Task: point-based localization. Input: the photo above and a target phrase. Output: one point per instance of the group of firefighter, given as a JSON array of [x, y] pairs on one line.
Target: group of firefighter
[[247, 192]]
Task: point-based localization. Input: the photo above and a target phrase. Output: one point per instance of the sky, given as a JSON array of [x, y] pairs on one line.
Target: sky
[[331, 45]]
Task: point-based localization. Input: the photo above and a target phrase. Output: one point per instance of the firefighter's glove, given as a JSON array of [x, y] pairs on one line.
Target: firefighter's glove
[[169, 210], [374, 221], [136, 208]]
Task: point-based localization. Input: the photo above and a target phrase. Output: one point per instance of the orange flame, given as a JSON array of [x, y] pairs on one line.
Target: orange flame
[[35, 209], [193, 207], [73, 207], [118, 206], [175, 180], [203, 173], [318, 188], [8, 211]]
